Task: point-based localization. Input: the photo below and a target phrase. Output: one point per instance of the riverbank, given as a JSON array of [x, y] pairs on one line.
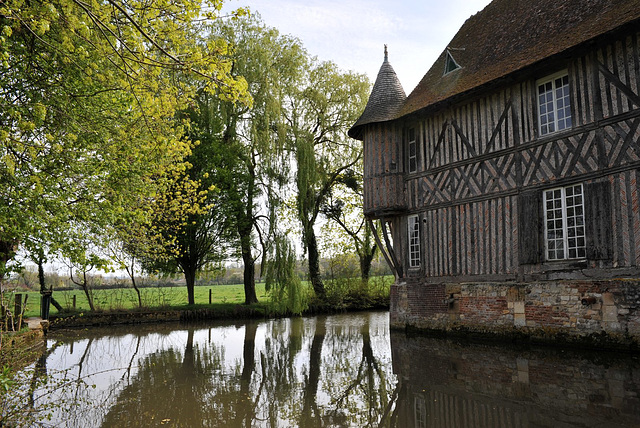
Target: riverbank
[[21, 348], [198, 313]]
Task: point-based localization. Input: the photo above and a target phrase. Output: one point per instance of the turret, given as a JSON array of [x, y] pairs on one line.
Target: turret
[[382, 138]]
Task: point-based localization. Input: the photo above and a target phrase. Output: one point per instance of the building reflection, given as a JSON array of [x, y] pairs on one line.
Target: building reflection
[[334, 371], [443, 383]]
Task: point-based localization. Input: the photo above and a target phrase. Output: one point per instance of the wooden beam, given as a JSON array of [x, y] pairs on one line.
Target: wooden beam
[[392, 254], [382, 247]]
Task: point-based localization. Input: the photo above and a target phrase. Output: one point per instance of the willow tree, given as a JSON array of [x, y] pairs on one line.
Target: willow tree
[[248, 163], [319, 115], [88, 101]]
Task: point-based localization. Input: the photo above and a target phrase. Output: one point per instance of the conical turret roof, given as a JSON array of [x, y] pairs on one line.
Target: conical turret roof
[[386, 99]]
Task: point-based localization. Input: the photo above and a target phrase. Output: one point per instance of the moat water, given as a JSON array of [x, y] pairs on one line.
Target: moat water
[[327, 371]]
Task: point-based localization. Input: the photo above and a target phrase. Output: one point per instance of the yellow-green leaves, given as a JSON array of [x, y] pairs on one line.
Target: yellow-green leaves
[[89, 135]]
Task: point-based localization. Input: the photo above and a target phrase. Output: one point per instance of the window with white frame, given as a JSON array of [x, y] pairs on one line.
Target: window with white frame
[[554, 103], [564, 223], [450, 64], [413, 150], [414, 241], [420, 412]]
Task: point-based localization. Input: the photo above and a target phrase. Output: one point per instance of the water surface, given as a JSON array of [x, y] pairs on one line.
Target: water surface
[[327, 371]]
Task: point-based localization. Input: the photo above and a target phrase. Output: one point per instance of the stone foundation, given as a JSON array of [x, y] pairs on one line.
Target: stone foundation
[[593, 313]]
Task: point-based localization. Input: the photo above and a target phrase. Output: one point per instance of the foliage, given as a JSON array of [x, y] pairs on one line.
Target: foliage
[[6, 379], [319, 116], [199, 240], [282, 281], [246, 160], [88, 132], [351, 293], [348, 229]]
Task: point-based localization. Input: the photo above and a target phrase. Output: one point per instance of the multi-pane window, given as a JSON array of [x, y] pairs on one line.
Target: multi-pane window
[[414, 241], [564, 223], [420, 407], [413, 151], [554, 105]]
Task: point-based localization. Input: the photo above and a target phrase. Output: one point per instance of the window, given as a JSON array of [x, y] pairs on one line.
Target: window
[[450, 64], [420, 412], [414, 241], [413, 151], [554, 105], [564, 223], [575, 222]]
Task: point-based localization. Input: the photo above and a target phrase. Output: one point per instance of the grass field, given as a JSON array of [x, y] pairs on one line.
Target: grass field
[[340, 293], [153, 297]]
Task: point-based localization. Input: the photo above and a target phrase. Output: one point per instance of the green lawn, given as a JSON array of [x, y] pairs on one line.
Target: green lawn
[[155, 297], [338, 292]]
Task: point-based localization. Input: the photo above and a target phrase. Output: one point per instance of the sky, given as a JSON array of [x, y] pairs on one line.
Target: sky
[[352, 33]]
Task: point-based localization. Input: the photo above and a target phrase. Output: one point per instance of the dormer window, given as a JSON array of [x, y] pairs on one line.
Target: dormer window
[[450, 64]]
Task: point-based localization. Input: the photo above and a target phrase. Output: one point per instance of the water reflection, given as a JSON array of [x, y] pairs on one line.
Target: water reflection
[[311, 372], [335, 371], [456, 384]]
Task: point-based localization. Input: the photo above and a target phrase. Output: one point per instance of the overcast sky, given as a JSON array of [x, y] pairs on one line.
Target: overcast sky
[[352, 33]]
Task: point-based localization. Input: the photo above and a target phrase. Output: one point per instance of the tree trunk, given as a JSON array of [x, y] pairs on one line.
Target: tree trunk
[[43, 287], [87, 293], [135, 287], [365, 263], [250, 296], [190, 278], [314, 261]]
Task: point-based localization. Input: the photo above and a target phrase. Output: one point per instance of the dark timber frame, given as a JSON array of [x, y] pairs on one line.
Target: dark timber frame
[[482, 167]]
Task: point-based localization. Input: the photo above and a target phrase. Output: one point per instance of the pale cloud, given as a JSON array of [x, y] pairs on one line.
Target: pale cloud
[[352, 33]]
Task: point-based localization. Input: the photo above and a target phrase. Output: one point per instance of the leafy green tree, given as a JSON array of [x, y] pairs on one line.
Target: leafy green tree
[[319, 116], [282, 280], [88, 95], [270, 63], [198, 240], [242, 149]]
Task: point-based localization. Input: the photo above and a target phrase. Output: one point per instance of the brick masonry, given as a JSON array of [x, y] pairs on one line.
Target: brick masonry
[[593, 313]]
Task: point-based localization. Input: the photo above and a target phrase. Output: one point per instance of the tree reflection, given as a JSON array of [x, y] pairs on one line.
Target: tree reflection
[[310, 415], [330, 372], [310, 372], [276, 393], [172, 388], [370, 381]]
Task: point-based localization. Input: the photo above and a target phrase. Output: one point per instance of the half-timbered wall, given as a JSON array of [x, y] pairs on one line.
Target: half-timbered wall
[[383, 169], [476, 159], [626, 218], [471, 239]]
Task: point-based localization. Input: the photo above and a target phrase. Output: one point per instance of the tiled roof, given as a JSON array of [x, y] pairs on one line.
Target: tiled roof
[[386, 99], [509, 35]]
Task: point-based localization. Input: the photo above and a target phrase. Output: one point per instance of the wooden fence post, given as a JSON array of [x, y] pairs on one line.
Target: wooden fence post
[[17, 310]]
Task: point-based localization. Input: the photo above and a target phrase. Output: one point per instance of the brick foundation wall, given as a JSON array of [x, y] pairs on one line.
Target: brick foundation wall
[[595, 313]]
